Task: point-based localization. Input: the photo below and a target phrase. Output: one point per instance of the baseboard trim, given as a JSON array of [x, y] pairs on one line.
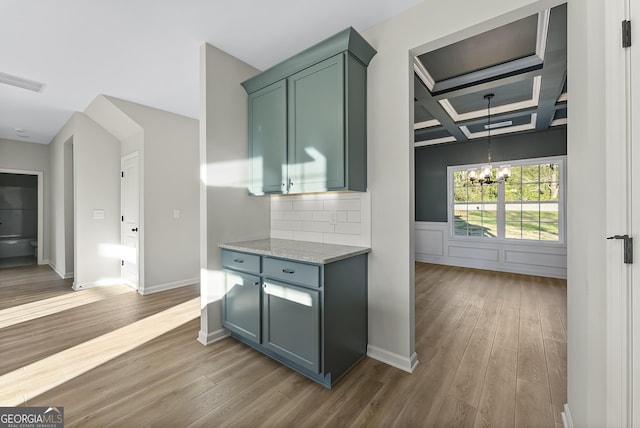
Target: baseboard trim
[[567, 421], [408, 364], [550, 272], [59, 273], [209, 338], [168, 286]]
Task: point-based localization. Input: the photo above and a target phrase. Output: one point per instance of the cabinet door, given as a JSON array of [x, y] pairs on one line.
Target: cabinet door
[[291, 323], [316, 127], [241, 305], [268, 139]]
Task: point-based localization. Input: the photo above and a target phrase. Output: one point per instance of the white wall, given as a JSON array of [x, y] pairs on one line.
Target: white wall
[[170, 184], [586, 150], [228, 213], [31, 157], [96, 171], [331, 218]]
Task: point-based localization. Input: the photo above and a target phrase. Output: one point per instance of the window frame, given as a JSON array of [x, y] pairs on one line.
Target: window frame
[[501, 203]]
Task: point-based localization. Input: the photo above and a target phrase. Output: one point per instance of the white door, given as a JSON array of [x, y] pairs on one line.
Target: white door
[[130, 198]]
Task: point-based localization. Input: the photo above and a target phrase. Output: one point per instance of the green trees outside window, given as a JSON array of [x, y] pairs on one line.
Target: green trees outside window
[[525, 207]]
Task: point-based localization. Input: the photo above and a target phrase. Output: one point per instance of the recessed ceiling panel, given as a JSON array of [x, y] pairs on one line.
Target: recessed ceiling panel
[[500, 45], [507, 94], [497, 124]]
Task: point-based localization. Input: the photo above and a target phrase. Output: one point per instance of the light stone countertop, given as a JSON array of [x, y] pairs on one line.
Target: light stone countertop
[[304, 251]]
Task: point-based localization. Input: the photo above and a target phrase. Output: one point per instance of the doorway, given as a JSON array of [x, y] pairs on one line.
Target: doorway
[[497, 96], [130, 220], [21, 217]]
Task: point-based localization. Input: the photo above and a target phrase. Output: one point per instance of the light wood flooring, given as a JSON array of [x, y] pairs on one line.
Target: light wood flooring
[[492, 351]]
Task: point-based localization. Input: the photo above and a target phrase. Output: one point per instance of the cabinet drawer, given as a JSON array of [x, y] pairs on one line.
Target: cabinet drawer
[[291, 271], [241, 261]]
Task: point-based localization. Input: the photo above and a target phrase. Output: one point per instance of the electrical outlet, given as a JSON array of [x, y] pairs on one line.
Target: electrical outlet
[[176, 214]]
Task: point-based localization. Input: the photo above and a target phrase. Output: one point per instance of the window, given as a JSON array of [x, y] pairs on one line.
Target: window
[[528, 206]]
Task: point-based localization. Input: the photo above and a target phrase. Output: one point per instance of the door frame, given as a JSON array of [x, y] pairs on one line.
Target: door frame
[[40, 175], [619, 364], [140, 286]]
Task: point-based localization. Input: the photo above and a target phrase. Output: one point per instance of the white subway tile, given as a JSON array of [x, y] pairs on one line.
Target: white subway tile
[[311, 205], [277, 215], [298, 215], [317, 226], [281, 234], [342, 239], [350, 228], [308, 236], [324, 216], [342, 205], [281, 205], [286, 224], [353, 216], [342, 217]]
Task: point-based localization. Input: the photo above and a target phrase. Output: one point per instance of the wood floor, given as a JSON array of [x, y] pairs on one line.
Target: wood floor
[[492, 351]]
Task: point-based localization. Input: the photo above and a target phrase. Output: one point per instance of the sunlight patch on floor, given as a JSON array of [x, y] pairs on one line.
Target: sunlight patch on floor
[[54, 305], [21, 385]]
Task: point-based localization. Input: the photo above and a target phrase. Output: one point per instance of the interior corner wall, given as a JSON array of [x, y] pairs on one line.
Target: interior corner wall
[[228, 213], [169, 188], [20, 155], [391, 157], [96, 166]]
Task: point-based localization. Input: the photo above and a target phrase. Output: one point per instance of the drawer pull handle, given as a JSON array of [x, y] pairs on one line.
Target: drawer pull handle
[[288, 271], [238, 261]]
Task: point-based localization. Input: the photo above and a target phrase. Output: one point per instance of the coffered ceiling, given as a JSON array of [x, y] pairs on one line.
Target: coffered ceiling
[[524, 64]]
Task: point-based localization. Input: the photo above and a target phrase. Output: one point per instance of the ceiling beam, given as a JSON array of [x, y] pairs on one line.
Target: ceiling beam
[[487, 86], [433, 106], [554, 69]]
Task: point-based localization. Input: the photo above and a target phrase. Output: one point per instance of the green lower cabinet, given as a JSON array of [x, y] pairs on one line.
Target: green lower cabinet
[[291, 323], [310, 317], [241, 305]]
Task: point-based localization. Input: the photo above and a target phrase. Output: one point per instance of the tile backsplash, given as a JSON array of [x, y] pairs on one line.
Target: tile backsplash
[[332, 218]]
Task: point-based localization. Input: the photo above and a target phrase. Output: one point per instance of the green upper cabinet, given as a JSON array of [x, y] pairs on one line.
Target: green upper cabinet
[[268, 139], [307, 119], [316, 128]]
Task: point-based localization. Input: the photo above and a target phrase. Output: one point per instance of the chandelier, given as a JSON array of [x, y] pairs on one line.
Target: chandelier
[[484, 174]]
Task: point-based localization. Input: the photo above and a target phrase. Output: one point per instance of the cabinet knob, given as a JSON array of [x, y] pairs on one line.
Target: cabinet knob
[[256, 283], [290, 183]]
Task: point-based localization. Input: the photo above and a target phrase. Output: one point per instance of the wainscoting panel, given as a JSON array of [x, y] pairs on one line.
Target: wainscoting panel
[[434, 244], [488, 254], [430, 242]]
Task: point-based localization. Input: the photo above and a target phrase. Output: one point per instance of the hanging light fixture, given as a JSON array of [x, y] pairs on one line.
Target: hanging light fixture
[[483, 175]]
